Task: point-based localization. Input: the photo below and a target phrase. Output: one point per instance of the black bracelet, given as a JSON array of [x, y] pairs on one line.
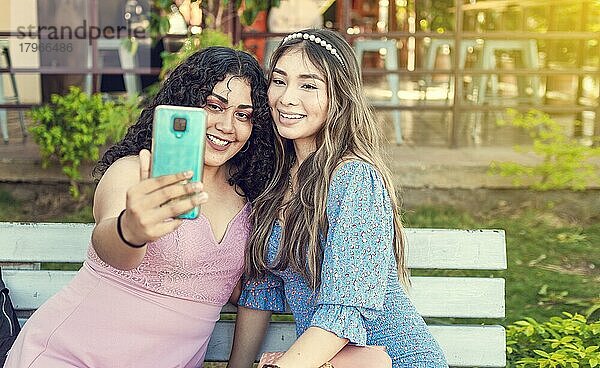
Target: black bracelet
[[270, 366], [120, 232]]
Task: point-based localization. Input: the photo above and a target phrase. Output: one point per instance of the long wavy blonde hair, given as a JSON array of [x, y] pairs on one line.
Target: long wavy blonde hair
[[350, 130]]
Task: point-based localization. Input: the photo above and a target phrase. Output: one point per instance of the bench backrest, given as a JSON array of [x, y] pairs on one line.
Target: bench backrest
[[435, 297]]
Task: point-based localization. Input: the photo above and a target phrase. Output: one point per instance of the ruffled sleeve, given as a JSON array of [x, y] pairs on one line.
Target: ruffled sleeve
[[357, 253], [266, 293]]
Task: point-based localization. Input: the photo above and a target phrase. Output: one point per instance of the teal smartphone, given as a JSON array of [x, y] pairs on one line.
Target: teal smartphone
[[178, 140]]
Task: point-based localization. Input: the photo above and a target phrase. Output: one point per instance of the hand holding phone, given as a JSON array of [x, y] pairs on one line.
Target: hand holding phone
[[148, 216], [178, 141]]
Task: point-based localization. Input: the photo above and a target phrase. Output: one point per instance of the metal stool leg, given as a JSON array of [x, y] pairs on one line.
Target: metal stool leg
[[132, 81], [4, 124], [391, 63], [531, 57], [16, 94], [487, 60], [88, 77], [3, 115]]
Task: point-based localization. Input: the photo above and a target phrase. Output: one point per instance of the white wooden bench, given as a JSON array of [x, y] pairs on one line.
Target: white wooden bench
[[435, 297]]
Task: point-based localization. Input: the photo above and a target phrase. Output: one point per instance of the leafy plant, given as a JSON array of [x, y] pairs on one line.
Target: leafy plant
[[211, 35], [571, 341], [208, 37], [435, 15], [565, 162], [73, 127], [159, 20], [252, 8]]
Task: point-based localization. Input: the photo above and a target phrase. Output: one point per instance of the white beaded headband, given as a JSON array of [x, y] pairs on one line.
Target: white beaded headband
[[315, 39]]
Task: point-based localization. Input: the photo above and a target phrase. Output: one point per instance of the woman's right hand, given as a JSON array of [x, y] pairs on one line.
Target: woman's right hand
[[153, 204]]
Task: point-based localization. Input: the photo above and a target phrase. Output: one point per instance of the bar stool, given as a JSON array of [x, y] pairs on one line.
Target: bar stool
[[4, 50], [431, 56], [487, 61], [391, 63], [127, 60]]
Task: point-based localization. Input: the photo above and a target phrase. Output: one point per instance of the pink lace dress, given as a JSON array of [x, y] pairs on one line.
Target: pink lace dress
[[160, 314]]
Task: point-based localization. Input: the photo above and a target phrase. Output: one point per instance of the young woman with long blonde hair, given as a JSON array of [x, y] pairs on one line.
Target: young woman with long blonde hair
[[327, 234]]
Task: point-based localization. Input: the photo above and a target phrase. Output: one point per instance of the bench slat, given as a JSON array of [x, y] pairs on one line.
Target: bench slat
[[427, 248], [30, 289], [44, 242], [458, 297], [456, 249], [464, 346], [461, 297]]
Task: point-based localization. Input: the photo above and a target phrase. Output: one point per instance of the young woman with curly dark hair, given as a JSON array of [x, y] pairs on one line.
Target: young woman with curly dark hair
[[152, 286]]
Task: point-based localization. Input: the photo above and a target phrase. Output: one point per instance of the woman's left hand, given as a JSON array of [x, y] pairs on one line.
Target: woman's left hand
[[313, 347]]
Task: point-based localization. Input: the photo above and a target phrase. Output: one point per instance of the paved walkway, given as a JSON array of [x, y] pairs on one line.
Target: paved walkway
[[413, 167]]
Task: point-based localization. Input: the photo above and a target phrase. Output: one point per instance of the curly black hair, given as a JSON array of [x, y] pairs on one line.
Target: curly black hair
[[189, 85]]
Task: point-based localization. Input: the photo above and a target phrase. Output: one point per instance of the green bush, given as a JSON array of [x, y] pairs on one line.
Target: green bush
[[249, 10], [572, 341], [170, 60], [73, 128], [208, 37], [565, 162]]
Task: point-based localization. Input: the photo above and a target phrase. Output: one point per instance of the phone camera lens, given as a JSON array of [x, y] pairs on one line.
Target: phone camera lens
[[179, 124]]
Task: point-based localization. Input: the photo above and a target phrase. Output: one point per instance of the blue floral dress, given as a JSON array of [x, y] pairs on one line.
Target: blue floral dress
[[360, 297]]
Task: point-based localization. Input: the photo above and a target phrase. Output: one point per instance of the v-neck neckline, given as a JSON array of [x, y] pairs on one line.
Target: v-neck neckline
[[226, 233]]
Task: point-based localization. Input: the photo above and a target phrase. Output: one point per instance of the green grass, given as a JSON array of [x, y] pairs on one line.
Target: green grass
[[12, 209], [9, 207], [552, 265], [83, 214]]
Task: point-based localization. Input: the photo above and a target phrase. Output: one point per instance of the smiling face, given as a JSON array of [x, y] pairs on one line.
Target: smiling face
[[298, 97], [229, 124]]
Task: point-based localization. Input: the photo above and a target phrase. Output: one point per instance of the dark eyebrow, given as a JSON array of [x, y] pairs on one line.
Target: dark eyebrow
[[311, 76], [225, 101], [279, 71], [301, 76], [220, 98]]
